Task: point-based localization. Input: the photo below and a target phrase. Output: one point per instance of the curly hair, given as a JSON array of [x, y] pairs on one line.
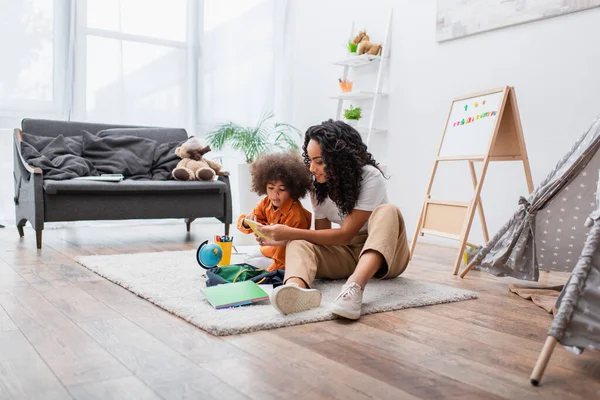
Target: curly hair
[[285, 167], [344, 154]]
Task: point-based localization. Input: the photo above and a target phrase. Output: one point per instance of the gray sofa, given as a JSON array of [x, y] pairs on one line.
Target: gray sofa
[[39, 200]]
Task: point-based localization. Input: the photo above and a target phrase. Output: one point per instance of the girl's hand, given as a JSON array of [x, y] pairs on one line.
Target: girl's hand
[[277, 232], [251, 217]]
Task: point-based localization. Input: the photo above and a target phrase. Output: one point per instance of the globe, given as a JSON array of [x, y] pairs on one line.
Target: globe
[[209, 255]]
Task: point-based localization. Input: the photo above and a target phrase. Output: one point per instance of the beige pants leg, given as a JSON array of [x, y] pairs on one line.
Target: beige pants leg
[[386, 235]]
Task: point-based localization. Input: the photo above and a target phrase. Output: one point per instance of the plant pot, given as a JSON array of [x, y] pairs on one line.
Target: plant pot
[[246, 200], [352, 122]]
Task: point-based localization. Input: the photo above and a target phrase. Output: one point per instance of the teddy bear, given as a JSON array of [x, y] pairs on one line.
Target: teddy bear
[[365, 46], [193, 165]]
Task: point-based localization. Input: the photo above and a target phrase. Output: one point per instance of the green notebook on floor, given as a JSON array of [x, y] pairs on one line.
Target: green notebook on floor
[[234, 294]]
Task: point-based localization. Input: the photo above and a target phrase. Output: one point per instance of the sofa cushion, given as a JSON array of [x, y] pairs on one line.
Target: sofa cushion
[[42, 127], [78, 185], [161, 135], [40, 143], [119, 154]]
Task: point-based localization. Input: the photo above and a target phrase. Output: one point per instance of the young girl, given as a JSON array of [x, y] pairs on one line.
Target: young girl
[[283, 178]]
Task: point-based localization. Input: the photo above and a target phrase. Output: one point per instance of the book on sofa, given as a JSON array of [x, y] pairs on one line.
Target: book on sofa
[[103, 178]]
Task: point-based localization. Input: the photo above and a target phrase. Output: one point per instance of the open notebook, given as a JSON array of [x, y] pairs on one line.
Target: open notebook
[[234, 294]]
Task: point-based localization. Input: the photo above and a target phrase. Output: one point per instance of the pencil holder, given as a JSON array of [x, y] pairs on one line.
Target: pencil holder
[[226, 248]]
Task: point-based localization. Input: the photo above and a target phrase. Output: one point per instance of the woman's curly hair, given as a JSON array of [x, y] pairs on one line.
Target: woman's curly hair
[[285, 167], [344, 154]]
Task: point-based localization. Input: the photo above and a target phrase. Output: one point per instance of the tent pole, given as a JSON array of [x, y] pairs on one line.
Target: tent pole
[[542, 362]]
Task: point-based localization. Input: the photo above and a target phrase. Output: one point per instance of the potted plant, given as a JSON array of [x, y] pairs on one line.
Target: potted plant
[[251, 141], [352, 115], [352, 47]]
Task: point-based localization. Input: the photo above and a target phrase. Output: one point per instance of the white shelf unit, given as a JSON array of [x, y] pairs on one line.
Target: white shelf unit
[[355, 61], [358, 61], [357, 95]]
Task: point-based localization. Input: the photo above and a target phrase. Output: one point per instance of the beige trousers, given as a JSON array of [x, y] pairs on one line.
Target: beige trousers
[[386, 235]]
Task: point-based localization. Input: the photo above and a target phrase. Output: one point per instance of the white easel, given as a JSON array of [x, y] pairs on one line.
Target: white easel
[[482, 127]]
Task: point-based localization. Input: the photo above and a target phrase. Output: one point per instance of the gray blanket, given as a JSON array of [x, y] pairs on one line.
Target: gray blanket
[[135, 157]]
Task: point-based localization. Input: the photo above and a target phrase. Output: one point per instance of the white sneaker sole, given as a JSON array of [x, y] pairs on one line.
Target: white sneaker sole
[[288, 299], [343, 312]]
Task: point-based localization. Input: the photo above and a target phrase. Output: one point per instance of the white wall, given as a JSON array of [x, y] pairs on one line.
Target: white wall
[[552, 64]]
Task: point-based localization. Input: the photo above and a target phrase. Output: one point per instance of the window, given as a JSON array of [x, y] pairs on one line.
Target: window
[[139, 62], [33, 65]]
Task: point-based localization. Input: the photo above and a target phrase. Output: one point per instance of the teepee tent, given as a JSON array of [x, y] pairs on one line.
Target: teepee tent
[[576, 324], [547, 230]]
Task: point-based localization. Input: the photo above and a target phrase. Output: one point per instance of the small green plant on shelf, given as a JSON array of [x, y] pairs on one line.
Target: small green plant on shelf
[[352, 46], [352, 113]]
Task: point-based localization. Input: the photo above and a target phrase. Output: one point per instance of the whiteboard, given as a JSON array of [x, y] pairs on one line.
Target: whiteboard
[[471, 125]]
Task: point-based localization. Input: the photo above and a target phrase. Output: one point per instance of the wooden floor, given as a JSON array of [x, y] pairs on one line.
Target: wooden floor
[[68, 333]]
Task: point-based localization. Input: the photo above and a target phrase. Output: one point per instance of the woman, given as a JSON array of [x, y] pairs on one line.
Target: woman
[[371, 240]]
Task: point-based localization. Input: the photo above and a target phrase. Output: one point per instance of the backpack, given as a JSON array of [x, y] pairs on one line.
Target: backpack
[[243, 272]]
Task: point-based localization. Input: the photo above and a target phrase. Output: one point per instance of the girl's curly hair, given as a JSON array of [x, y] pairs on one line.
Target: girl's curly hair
[[344, 154], [285, 167]]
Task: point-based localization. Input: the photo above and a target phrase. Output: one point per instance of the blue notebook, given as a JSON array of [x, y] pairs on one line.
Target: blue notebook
[[234, 294]]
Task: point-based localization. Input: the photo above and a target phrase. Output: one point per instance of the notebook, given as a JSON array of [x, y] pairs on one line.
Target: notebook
[[234, 294], [103, 177], [253, 225]]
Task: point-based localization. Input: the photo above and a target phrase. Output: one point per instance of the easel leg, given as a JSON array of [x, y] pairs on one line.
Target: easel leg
[[479, 204], [466, 270], [466, 229], [423, 210], [413, 243], [542, 362], [459, 258]]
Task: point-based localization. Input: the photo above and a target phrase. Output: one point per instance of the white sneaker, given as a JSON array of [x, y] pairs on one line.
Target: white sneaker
[[291, 298], [348, 303]]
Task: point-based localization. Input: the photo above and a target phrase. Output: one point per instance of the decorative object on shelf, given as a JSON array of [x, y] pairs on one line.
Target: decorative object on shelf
[[254, 140], [352, 46], [345, 85], [352, 115], [365, 46]]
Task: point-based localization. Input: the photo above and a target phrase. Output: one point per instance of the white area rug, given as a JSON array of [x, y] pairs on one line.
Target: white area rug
[[173, 281]]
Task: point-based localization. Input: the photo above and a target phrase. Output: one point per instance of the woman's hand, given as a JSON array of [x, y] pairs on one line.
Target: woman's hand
[[277, 232]]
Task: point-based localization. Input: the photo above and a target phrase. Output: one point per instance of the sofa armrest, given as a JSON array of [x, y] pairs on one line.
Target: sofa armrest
[[228, 217], [29, 188], [20, 163]]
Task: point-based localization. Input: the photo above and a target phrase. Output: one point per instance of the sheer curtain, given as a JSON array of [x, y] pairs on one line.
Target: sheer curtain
[[135, 62], [184, 63], [111, 61], [243, 74], [242, 57], [33, 38]]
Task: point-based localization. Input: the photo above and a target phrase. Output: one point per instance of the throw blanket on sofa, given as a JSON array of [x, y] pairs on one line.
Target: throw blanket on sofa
[[91, 155]]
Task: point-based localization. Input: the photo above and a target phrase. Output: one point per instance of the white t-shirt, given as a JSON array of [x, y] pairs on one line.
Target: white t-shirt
[[372, 194]]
